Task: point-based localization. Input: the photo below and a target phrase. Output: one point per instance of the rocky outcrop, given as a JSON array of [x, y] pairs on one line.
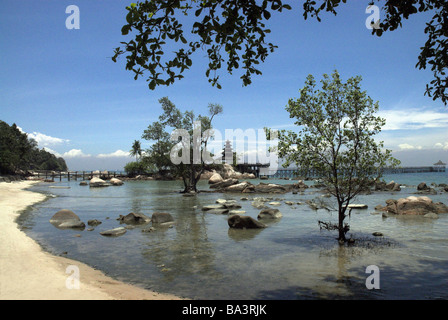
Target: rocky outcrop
[[65, 219], [244, 222], [383, 186], [413, 206], [134, 218]]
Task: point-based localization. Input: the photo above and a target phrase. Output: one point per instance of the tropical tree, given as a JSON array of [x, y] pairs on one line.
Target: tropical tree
[[233, 34], [335, 139], [191, 135], [136, 150]]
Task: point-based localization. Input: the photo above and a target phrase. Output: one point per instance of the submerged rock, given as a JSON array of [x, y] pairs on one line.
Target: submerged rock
[[414, 206], [114, 232], [134, 218], [269, 214], [66, 219], [244, 222], [357, 206], [94, 222], [161, 217]]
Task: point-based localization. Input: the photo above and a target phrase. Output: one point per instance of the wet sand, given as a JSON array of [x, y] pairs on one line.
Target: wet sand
[[28, 272]]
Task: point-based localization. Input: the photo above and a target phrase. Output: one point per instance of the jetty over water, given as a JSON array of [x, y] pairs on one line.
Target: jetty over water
[[293, 172]]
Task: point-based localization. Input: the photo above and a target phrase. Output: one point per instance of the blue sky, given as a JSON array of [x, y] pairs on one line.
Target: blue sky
[[61, 87]]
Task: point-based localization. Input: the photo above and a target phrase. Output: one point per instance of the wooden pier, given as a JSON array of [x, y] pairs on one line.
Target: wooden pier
[[75, 175]]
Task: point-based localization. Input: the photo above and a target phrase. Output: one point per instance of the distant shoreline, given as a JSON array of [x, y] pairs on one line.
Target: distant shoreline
[[28, 272]]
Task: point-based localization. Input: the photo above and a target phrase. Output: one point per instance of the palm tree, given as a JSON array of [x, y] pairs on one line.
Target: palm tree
[[136, 150]]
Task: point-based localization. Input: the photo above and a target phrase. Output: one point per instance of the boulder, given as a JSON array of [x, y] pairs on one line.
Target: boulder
[[94, 222], [239, 187], [224, 184], [66, 219], [244, 222], [134, 218], [422, 187], [215, 178], [213, 207], [83, 183], [114, 232], [357, 206], [97, 182], [206, 175], [414, 206], [116, 182], [161, 217], [270, 188], [269, 214]]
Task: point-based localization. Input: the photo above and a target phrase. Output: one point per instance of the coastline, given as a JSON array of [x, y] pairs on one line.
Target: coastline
[[28, 272]]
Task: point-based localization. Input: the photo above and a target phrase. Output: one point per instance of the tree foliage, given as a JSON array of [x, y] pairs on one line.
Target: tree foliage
[[18, 152], [161, 151], [335, 138], [435, 50], [233, 34]]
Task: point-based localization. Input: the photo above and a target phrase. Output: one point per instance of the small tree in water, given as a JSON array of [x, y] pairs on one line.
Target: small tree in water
[[191, 146], [335, 141]]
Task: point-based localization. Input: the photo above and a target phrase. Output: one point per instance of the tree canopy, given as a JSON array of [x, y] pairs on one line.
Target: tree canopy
[[189, 145], [233, 34], [335, 139], [18, 152]]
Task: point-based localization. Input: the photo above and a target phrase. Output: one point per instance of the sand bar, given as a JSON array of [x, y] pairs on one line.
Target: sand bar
[[28, 272]]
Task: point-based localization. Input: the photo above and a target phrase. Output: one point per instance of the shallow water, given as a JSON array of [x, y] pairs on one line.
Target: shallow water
[[201, 258]]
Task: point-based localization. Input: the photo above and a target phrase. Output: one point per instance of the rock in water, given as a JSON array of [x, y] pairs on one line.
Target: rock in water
[[244, 222], [134, 218], [116, 182], [161, 217], [269, 214], [97, 182], [357, 206], [114, 232], [215, 178], [66, 219], [414, 206]]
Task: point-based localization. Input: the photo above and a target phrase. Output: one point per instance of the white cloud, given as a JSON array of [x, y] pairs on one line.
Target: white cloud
[[440, 145], [414, 119], [75, 153], [407, 146], [44, 141], [116, 154]]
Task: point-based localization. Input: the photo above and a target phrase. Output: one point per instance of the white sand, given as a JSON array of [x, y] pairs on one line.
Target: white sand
[[28, 272]]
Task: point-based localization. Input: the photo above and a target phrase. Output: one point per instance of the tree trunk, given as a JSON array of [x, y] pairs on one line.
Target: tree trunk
[[341, 228]]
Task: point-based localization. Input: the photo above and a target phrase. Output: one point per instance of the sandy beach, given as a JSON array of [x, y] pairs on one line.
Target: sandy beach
[[28, 272]]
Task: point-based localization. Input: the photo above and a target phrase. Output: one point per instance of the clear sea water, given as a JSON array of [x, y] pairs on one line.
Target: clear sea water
[[200, 257]]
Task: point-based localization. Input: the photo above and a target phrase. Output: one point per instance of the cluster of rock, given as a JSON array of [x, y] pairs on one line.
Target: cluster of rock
[[219, 183], [413, 206], [67, 219], [236, 219], [383, 186], [96, 182], [227, 172]]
